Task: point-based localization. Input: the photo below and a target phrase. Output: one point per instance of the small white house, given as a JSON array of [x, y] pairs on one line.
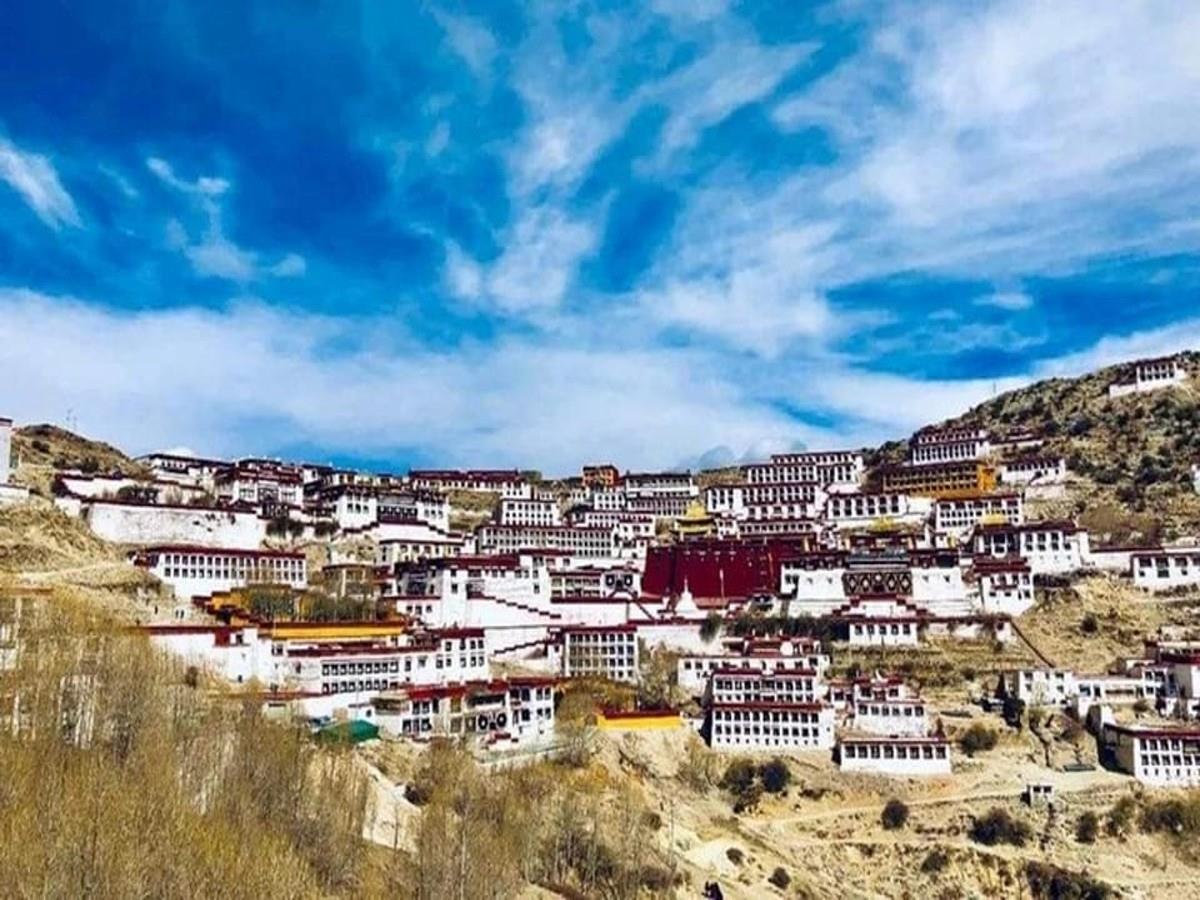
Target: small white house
[[1041, 687]]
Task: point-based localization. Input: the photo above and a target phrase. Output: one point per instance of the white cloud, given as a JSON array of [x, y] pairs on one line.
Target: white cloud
[[438, 140], [1023, 139], [35, 179], [214, 255], [464, 277], [896, 403], [575, 111], [1108, 351], [538, 261], [206, 186], [747, 309], [1013, 301], [735, 72], [1027, 136], [644, 407], [292, 265], [217, 257], [470, 39], [690, 11]]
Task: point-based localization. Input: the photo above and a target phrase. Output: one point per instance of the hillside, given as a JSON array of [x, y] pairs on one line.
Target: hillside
[[1129, 457], [40, 450]]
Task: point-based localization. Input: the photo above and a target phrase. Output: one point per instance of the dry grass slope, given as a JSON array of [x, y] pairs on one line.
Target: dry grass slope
[[41, 450]]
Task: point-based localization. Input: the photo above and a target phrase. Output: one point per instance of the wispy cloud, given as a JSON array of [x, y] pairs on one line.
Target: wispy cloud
[[470, 39], [213, 254], [1013, 301], [645, 407], [35, 179]]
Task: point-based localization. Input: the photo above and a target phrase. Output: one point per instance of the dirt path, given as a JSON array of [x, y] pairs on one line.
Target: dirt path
[[71, 571]]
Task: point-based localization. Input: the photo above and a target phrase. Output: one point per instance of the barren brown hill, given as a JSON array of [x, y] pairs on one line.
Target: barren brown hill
[[1130, 457], [41, 450]]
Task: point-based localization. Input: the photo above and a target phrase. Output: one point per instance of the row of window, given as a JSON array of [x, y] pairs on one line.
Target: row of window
[[765, 715], [905, 710], [410, 663], [895, 751], [732, 732], [870, 628]]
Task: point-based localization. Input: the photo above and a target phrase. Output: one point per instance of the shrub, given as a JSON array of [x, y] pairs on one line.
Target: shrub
[[1052, 883], [652, 820], [699, 767], [735, 856], [1087, 828], [739, 776], [998, 827], [656, 879], [1013, 711], [741, 780], [894, 815], [1179, 815], [935, 860], [1089, 624], [710, 627], [977, 738], [776, 776], [1072, 730], [1120, 816], [780, 878], [417, 794]]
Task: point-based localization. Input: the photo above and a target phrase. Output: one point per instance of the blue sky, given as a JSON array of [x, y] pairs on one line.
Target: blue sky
[[541, 234]]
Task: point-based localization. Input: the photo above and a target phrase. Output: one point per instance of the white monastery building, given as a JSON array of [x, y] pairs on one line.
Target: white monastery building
[[1162, 570], [768, 711], [494, 713], [1150, 375], [194, 572], [960, 516], [1005, 585], [505, 482], [899, 755], [763, 655], [543, 513], [1050, 548], [862, 510], [1160, 757], [933, 445], [605, 652], [1033, 470]]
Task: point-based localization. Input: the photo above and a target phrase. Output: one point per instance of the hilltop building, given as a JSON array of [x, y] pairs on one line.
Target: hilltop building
[[9, 493], [1149, 375]]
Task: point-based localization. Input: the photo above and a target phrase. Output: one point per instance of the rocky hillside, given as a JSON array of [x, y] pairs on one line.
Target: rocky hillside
[[40, 450], [1130, 457]]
